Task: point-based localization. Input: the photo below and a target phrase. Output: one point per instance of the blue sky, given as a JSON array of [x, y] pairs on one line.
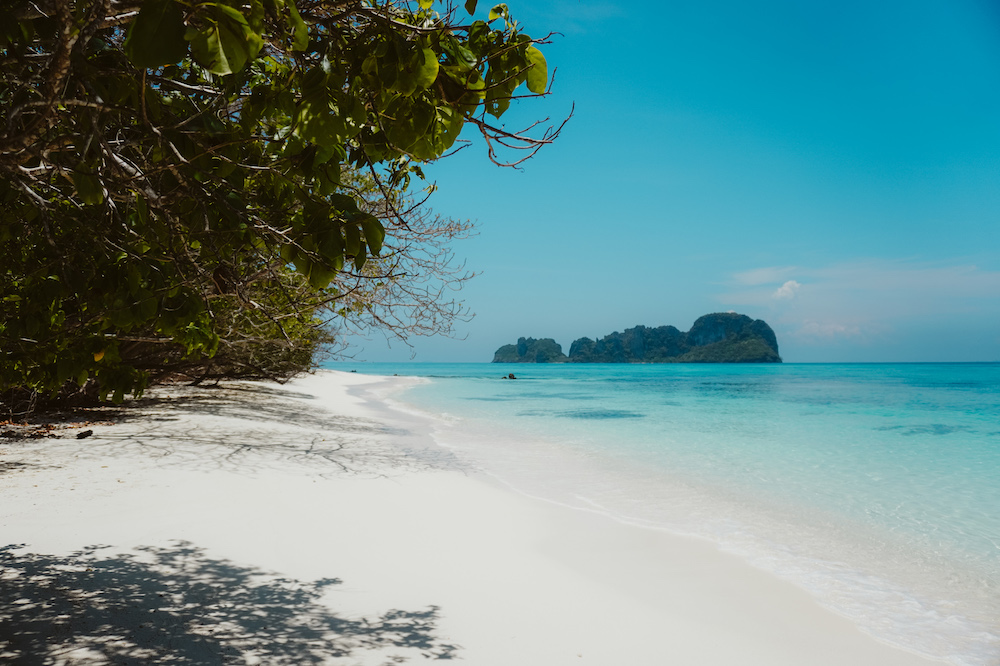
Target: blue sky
[[831, 168]]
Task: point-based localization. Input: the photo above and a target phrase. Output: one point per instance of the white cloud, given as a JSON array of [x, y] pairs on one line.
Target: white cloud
[[867, 290], [875, 305], [786, 291]]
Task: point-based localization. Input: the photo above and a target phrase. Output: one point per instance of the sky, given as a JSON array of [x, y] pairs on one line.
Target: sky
[[832, 168]]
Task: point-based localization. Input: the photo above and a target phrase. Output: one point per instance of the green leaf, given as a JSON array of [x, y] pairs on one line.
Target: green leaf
[[206, 47], [344, 203], [425, 4], [300, 31], [374, 234], [88, 185], [156, 37], [417, 71], [412, 126], [498, 11], [538, 72], [470, 6], [321, 125], [497, 101], [239, 41], [257, 15], [506, 71], [142, 210], [352, 240], [475, 86], [478, 37], [462, 56], [331, 245], [303, 264], [320, 276], [427, 70], [223, 42], [449, 125], [314, 80]]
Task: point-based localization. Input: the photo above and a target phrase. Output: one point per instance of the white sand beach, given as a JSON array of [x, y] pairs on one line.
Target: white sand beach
[[307, 524]]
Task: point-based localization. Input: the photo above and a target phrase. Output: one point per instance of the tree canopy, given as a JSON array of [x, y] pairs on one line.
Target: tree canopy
[[186, 180]]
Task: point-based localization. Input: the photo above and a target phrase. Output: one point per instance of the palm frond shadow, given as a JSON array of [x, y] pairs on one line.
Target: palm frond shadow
[[178, 606]]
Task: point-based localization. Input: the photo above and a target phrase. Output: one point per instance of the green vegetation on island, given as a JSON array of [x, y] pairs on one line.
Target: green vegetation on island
[[724, 337], [530, 350]]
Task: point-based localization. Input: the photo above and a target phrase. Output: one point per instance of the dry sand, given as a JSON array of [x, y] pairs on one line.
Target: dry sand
[[305, 524]]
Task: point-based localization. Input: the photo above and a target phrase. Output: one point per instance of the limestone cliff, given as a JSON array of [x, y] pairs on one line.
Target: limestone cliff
[[530, 350], [723, 337]]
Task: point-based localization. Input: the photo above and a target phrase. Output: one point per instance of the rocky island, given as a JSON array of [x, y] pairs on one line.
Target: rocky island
[[723, 337]]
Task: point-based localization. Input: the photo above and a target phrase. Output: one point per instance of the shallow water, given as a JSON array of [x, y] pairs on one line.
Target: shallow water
[[875, 487]]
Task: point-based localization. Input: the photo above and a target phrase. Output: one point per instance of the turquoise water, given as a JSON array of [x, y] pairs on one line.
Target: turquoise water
[[875, 487]]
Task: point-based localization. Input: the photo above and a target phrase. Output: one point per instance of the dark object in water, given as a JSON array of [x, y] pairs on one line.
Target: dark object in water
[[511, 376], [85, 434]]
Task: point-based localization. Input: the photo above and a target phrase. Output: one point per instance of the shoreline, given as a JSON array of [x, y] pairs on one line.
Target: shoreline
[[311, 496]]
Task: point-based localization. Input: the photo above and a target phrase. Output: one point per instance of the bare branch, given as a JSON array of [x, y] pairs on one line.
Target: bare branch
[[518, 140]]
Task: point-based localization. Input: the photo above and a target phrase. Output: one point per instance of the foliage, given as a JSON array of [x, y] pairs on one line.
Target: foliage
[[530, 350], [120, 322], [724, 337], [409, 288], [748, 350], [633, 345], [185, 179]]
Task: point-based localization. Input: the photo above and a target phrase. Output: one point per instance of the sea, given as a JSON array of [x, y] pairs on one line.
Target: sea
[[875, 487]]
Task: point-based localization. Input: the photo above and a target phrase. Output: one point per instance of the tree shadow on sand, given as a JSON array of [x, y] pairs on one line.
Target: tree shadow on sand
[[249, 402], [178, 606], [249, 427]]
